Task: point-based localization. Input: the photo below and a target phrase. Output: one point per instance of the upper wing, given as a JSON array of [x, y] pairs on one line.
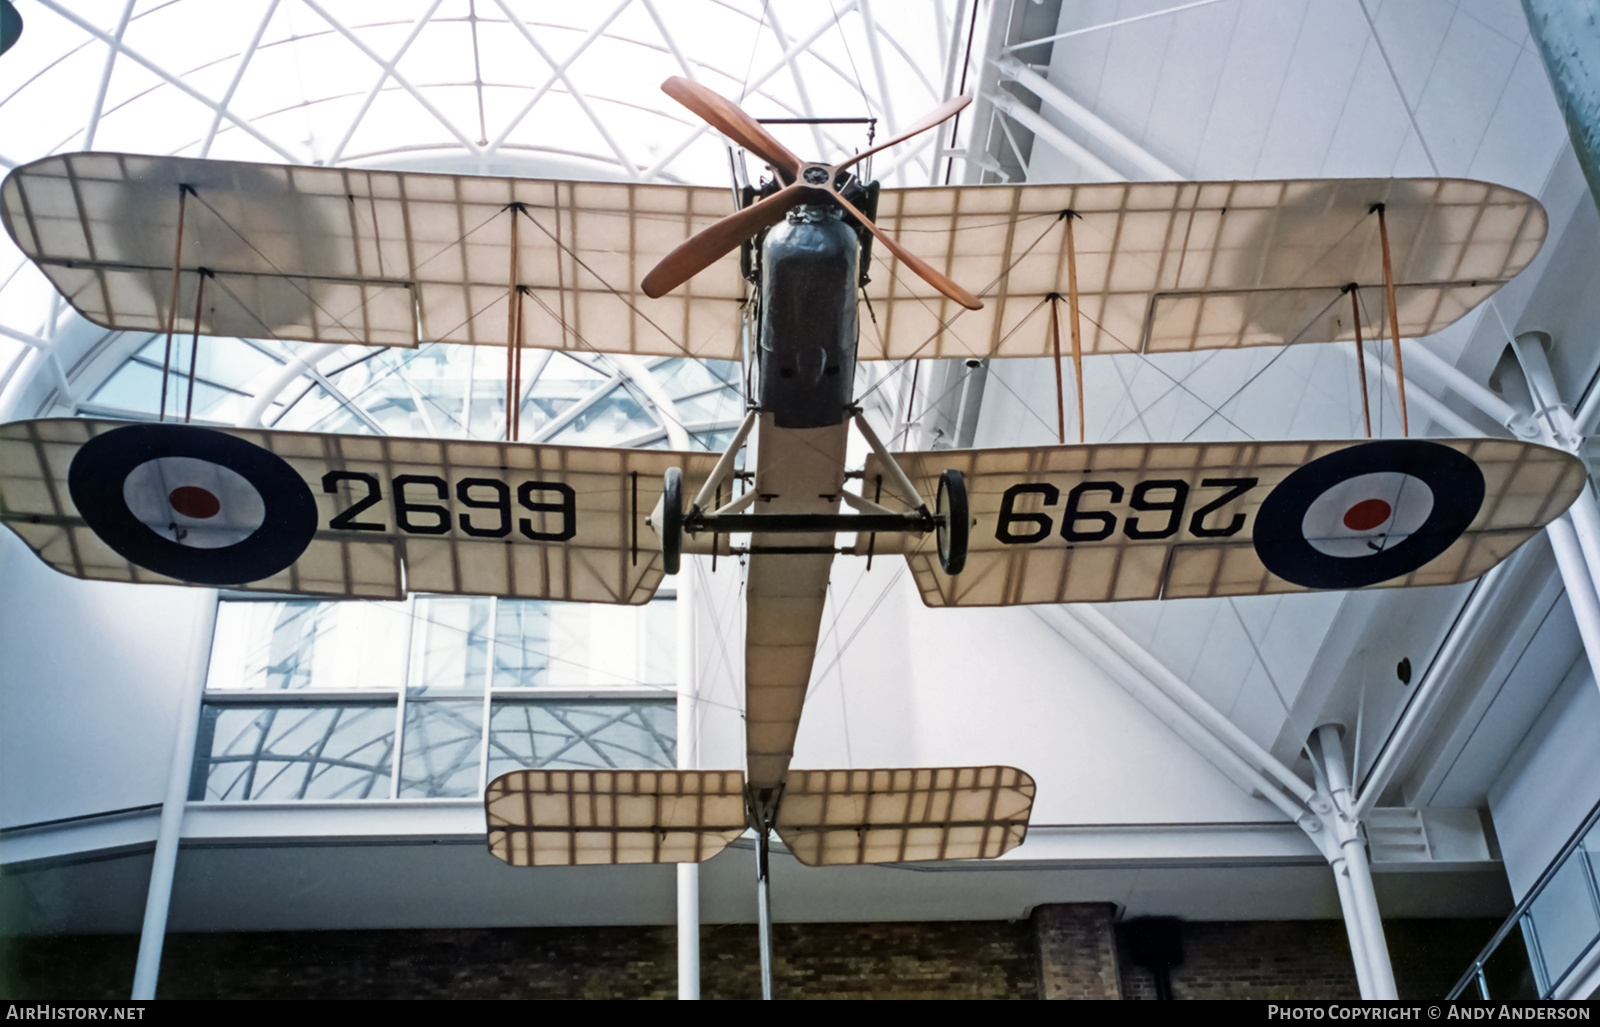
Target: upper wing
[[1067, 524], [338, 515], [377, 257], [1165, 266]]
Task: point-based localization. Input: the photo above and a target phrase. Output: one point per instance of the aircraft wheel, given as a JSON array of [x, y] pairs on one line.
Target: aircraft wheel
[[955, 525], [672, 521]]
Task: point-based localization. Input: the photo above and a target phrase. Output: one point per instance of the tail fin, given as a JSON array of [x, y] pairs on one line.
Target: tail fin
[[572, 817], [833, 817]]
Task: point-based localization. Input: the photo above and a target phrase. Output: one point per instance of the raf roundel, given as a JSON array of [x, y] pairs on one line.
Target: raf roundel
[[1367, 514], [192, 503]]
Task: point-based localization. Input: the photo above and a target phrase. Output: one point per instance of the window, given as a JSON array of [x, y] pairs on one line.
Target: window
[[430, 697]]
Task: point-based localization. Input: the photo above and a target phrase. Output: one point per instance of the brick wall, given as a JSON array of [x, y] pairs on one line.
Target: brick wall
[[1076, 948], [1064, 950], [970, 960], [1309, 959]]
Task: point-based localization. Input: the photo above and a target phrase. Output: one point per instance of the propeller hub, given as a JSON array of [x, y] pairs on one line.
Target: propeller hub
[[816, 174]]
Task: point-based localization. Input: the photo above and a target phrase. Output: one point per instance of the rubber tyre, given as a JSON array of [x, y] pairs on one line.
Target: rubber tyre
[[955, 524], [672, 521]]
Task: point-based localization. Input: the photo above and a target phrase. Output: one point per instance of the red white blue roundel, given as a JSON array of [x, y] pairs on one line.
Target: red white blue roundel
[[192, 503], [1368, 513]]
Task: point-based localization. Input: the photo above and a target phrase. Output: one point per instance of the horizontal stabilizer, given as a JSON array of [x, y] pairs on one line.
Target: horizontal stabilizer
[[1103, 523], [846, 817], [578, 817]]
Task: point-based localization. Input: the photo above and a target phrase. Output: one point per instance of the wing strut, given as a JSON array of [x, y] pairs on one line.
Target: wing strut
[[172, 308], [1361, 355], [513, 337], [1394, 319], [1077, 323], [1077, 337], [194, 341]]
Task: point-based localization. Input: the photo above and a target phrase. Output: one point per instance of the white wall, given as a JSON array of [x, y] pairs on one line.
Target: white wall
[[1551, 782], [90, 675]]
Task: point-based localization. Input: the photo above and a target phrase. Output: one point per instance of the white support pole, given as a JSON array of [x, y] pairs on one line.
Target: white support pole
[[1575, 535], [1147, 693], [1363, 900], [1191, 701], [1588, 415], [1038, 85], [158, 899], [1352, 927], [1561, 429], [1479, 395], [1096, 169], [688, 759], [1383, 377], [1580, 587]]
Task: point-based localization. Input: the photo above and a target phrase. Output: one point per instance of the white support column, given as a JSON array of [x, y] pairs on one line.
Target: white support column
[[1097, 169], [1580, 587], [1358, 941], [1383, 378], [688, 759], [1342, 842], [1147, 163], [158, 899], [1575, 535]]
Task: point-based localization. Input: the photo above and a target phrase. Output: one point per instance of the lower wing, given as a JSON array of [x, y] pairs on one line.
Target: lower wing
[[1066, 524], [337, 515]]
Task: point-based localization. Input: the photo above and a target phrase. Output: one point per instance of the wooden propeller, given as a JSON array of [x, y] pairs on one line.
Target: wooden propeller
[[803, 183]]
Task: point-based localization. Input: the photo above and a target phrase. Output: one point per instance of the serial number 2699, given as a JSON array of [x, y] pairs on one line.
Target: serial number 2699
[[488, 511], [1149, 499]]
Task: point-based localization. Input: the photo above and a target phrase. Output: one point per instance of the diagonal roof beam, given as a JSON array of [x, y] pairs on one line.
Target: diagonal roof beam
[[891, 123], [667, 38], [166, 76], [538, 94], [799, 81], [572, 89], [1087, 120], [1108, 25], [405, 83], [383, 76], [238, 76], [799, 45], [99, 105]]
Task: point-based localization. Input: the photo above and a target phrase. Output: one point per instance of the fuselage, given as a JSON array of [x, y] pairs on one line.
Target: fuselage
[[807, 340]]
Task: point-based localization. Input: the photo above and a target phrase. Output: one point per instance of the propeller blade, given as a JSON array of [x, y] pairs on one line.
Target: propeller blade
[[725, 116], [924, 270], [934, 117], [705, 248]]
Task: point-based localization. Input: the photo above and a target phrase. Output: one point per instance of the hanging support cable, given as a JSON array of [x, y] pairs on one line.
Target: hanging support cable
[[1361, 355], [1394, 317], [172, 306]]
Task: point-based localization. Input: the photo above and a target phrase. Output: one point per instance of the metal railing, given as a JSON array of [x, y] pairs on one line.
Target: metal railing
[[1553, 931]]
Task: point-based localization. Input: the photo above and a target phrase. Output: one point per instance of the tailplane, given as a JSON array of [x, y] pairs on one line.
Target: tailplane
[[573, 817], [842, 817], [825, 817]]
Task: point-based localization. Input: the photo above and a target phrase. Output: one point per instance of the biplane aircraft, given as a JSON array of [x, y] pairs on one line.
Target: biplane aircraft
[[344, 255]]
